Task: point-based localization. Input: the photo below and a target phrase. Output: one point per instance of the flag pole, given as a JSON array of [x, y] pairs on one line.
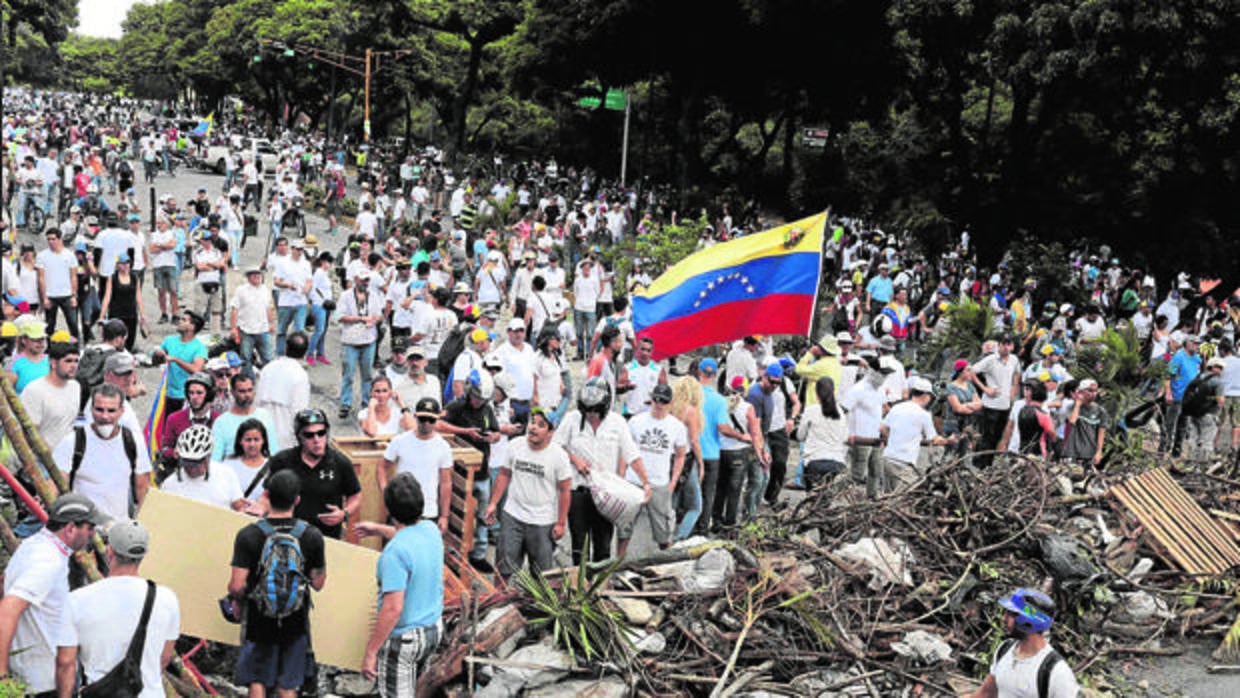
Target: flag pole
[[814, 321]]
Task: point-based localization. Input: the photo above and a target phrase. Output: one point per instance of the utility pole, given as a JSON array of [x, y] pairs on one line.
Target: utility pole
[[363, 66]]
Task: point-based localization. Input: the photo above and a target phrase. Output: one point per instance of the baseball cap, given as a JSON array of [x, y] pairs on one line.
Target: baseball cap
[[415, 351], [738, 382], [775, 370], [33, 330], [297, 244], [17, 302], [1216, 362], [479, 335], [708, 365], [427, 407], [491, 361], [134, 217], [234, 359], [919, 384], [844, 338], [516, 324], [119, 363], [435, 256], [1088, 384], [253, 269], [129, 538], [75, 209], [218, 363], [75, 508], [123, 258]]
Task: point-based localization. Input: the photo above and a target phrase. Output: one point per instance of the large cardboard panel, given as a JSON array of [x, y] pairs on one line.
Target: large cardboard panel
[[191, 553]]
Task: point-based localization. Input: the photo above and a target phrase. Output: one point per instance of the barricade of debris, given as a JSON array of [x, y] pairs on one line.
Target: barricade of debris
[[842, 595]]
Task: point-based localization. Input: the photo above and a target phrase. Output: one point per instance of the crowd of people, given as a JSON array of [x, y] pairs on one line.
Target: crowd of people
[[450, 327]]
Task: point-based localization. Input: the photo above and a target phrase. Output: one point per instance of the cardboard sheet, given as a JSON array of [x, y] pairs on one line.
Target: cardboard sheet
[[191, 552]]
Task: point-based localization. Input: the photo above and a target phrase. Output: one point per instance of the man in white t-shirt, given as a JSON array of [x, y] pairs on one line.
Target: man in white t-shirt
[[57, 282], [106, 472], [164, 267], [292, 279], [106, 613], [198, 478], [52, 402], [427, 456], [252, 317], [905, 427], [997, 376], [662, 440], [1017, 668], [519, 362], [586, 290], [35, 613], [863, 403], [534, 483], [283, 387]]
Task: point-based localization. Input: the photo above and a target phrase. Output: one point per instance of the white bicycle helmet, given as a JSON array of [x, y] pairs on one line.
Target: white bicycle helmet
[[195, 443]]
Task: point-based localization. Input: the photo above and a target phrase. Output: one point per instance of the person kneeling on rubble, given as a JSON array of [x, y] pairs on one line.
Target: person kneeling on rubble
[[1026, 660]]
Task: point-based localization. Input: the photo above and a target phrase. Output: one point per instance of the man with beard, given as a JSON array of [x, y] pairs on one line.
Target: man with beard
[[224, 430], [1027, 659], [410, 380]]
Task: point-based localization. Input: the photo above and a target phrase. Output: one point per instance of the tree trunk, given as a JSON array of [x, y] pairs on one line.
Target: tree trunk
[[461, 107]]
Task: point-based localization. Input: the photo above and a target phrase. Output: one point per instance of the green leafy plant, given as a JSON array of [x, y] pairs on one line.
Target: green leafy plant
[[660, 247], [968, 326], [13, 686], [313, 194], [348, 207], [579, 618]]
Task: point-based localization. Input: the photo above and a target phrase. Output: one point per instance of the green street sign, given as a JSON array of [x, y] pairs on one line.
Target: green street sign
[[258, 59], [614, 99]]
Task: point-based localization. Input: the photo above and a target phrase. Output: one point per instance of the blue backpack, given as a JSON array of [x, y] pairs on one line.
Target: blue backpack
[[281, 588]]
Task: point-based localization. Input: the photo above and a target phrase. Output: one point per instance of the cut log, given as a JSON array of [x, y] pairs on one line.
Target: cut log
[[451, 663]]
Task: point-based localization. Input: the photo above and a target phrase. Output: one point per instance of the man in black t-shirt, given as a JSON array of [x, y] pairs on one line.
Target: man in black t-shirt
[[275, 652], [330, 491], [471, 418]]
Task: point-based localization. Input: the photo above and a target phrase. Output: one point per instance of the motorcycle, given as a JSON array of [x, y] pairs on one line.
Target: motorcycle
[[293, 218]]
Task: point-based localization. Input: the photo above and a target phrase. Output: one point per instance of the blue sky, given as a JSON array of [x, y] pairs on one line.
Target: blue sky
[[102, 17]]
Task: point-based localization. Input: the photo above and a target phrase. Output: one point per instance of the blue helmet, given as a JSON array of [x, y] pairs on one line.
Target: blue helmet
[[1032, 609]]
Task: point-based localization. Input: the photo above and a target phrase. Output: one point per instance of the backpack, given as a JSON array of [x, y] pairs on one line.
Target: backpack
[[125, 679], [280, 588], [131, 452], [452, 348], [1198, 396], [90, 367], [1049, 662], [124, 170]]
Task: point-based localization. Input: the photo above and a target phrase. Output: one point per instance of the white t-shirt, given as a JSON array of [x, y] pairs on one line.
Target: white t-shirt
[[219, 487], [410, 392], [283, 389], [549, 378], [823, 438], [389, 428], [1019, 677], [57, 272], [424, 459], [113, 242], [104, 472], [908, 424], [203, 255], [519, 363], [164, 258], [555, 280], [251, 303], [367, 223], [658, 440], [296, 272], [38, 573], [532, 496], [52, 410], [999, 375], [586, 290], [489, 278], [245, 475], [644, 379], [864, 405], [434, 327], [105, 617]]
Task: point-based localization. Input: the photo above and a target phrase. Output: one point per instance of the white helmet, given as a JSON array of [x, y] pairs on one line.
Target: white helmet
[[195, 443], [505, 383]]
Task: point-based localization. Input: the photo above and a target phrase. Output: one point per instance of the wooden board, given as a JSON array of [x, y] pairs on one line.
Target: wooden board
[[191, 553], [366, 452]]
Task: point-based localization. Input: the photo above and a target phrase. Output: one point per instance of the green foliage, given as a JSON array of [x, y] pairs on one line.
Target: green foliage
[[501, 213], [661, 247], [968, 326], [90, 64], [1115, 362], [12, 687], [312, 193], [580, 620], [348, 207]]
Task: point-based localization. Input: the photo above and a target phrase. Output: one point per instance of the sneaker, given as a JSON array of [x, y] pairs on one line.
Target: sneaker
[[323, 360], [163, 319], [480, 564], [309, 360], [344, 413]]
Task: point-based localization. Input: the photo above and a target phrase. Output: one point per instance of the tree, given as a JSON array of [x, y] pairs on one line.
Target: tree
[[90, 64]]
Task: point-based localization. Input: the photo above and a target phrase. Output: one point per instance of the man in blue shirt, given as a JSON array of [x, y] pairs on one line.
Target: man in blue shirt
[[410, 575], [715, 421], [1184, 366], [879, 292], [185, 354]]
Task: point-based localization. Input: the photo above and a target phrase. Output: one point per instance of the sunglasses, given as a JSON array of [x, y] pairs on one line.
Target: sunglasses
[[428, 420], [314, 434]]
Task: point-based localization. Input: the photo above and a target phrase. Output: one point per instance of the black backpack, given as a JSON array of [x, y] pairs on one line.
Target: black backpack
[[90, 367], [131, 453], [281, 586], [1049, 662], [1198, 396], [452, 348]]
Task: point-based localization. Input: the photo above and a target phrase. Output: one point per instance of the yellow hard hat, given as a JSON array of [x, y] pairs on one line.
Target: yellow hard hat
[[8, 330], [62, 336]]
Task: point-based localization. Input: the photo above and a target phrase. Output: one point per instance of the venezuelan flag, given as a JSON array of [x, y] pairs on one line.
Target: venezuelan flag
[[204, 127], [155, 420], [763, 283]]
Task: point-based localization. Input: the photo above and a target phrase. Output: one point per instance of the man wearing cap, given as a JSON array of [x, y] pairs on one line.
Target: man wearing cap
[[112, 465], [879, 291], [52, 402], [998, 377], [821, 360], [472, 418], [252, 318], [761, 395], [36, 634], [106, 613], [284, 386], [714, 423], [293, 279], [520, 362], [905, 428], [57, 282], [863, 403], [1200, 430], [663, 441], [1184, 366], [120, 370], [402, 315], [425, 455], [1086, 430], [275, 652], [407, 371], [477, 344], [75, 225]]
